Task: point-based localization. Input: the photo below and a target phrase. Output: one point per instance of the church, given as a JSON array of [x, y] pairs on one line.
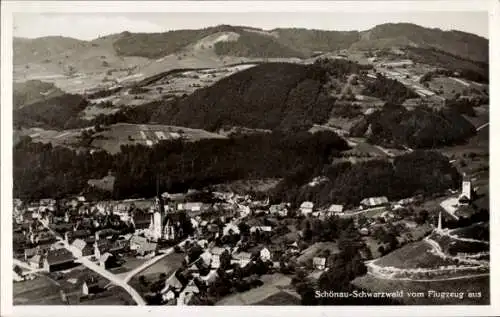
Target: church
[[165, 222]]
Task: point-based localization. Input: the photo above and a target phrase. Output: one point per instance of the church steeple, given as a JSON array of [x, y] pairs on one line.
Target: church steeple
[[439, 226]]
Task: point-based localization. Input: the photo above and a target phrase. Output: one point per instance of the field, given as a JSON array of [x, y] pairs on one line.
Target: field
[[131, 262], [360, 146], [316, 249], [113, 296], [449, 86], [448, 243], [167, 265], [412, 256], [40, 291], [273, 285], [124, 133], [474, 284], [244, 186], [280, 299], [62, 138], [114, 136], [478, 231]]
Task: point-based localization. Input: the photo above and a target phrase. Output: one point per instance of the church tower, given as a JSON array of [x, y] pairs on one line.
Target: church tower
[[97, 252], [157, 221], [466, 195], [440, 225]]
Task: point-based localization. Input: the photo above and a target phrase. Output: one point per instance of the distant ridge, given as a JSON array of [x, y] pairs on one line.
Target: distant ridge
[[254, 42]]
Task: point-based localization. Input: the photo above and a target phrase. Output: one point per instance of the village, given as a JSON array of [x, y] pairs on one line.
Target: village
[[199, 247]]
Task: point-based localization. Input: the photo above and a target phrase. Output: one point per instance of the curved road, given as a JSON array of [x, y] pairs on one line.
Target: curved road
[[100, 270], [428, 280], [375, 269]]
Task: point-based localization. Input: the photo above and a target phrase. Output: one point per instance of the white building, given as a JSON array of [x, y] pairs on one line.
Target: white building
[[261, 229], [335, 209], [230, 228], [466, 195], [319, 263], [265, 255], [306, 208], [374, 202]]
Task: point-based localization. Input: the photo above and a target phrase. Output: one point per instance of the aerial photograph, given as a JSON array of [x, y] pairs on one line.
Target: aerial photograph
[[251, 158]]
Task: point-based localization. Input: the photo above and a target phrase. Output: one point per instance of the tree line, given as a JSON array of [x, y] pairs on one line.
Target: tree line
[[41, 170]]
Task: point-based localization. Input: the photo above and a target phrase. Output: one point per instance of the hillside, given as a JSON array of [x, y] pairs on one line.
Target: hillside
[[311, 41], [252, 44], [469, 69], [39, 49], [463, 44], [346, 183], [54, 113], [422, 128], [33, 91], [285, 42], [269, 96]]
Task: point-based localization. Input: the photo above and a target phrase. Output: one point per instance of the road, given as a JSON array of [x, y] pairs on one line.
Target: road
[[449, 205], [482, 126], [100, 270], [430, 280], [386, 152], [123, 283], [378, 271], [113, 278], [157, 258], [439, 252]]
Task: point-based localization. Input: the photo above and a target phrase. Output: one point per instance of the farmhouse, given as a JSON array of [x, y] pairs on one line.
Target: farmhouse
[[335, 209], [374, 202], [319, 263], [306, 208], [279, 210], [91, 285]]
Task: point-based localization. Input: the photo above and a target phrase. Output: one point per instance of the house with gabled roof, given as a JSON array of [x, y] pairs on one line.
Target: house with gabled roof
[[335, 209], [319, 263], [265, 254], [306, 208], [374, 202], [58, 260]]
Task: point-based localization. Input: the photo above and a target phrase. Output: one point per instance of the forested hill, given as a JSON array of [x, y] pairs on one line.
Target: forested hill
[[33, 91], [275, 96], [395, 126]]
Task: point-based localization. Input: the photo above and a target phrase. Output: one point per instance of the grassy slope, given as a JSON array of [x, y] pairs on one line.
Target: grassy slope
[[477, 284]]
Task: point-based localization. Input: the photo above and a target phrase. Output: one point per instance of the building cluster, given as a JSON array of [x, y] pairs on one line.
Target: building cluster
[[228, 232]]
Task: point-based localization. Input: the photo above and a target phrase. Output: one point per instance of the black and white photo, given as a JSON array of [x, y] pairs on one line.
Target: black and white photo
[[250, 158]]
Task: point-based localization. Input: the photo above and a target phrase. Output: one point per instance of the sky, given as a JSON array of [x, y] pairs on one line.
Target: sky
[[88, 26]]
